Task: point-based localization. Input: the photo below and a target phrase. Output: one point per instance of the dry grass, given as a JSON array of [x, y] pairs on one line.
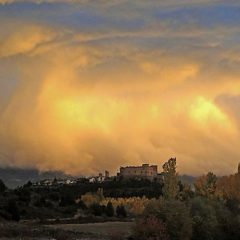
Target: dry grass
[[110, 230], [22, 231], [91, 231]]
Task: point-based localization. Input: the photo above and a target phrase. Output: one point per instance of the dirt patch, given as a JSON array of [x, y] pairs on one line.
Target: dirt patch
[[106, 230]]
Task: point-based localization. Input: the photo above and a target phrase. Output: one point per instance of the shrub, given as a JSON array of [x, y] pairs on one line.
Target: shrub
[[120, 211], [82, 205], [13, 210], [150, 228], [67, 200], [2, 186], [96, 209], [109, 210], [90, 198], [176, 216]]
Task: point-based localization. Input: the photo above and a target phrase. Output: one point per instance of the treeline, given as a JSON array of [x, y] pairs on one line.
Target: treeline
[[32, 202], [211, 211], [114, 188]]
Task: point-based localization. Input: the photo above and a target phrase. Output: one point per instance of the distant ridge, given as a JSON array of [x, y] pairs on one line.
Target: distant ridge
[[14, 177]]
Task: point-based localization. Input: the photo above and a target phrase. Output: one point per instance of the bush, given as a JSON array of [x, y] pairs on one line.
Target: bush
[[175, 215], [213, 220], [82, 205], [120, 211], [204, 220], [67, 200], [13, 210], [109, 210], [3, 187], [39, 201], [96, 209], [150, 228]]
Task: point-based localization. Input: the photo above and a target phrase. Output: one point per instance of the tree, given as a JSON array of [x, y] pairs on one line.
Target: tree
[[90, 198], [109, 210], [2, 187], [204, 218], [121, 211], [229, 187], [170, 188], [12, 208], [96, 209], [67, 200], [174, 214], [206, 185], [28, 184], [150, 228], [82, 205]]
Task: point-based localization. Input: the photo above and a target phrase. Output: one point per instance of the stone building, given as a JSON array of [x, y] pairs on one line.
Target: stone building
[[144, 171]]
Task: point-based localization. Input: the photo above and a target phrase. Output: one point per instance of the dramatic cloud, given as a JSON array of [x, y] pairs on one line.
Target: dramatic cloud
[[86, 86]]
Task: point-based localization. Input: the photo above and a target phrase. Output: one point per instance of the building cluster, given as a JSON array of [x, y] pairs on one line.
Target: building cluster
[[99, 178], [59, 182], [145, 171], [54, 182]]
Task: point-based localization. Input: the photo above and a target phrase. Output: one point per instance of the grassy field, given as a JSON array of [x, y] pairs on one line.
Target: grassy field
[[106, 230], [91, 231]]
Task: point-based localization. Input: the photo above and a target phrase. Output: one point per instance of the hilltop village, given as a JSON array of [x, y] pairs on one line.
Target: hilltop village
[[146, 171]]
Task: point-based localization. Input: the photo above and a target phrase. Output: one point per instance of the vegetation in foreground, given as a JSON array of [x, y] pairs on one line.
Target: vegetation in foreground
[[208, 210]]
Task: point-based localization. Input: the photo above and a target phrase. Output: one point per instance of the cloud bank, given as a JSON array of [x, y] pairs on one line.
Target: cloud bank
[[86, 86]]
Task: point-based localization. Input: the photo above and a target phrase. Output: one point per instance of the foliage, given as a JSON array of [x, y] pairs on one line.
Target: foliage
[[121, 211], [229, 187], [109, 210], [39, 201], [13, 210], [90, 199], [96, 209], [67, 200], [150, 228], [3, 187], [135, 205], [206, 185], [175, 215], [82, 205], [204, 220], [213, 220], [170, 187]]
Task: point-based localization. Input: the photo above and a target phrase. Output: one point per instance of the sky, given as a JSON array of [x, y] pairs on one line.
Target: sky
[[89, 85]]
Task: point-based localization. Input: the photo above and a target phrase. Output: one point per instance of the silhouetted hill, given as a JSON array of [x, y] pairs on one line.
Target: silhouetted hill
[[14, 177]]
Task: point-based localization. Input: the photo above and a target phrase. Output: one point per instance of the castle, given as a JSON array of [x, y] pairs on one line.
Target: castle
[[144, 171]]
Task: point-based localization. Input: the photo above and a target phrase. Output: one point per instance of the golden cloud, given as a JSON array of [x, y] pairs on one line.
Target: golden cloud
[[24, 41], [91, 101]]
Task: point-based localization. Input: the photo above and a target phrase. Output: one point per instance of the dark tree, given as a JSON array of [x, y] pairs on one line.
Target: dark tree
[[121, 211], [12, 208], [3, 187], [175, 215], [67, 200], [109, 210], [96, 209], [82, 205], [150, 228], [171, 187]]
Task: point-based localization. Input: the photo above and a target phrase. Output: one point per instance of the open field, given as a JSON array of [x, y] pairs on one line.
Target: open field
[[106, 230], [91, 231]]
